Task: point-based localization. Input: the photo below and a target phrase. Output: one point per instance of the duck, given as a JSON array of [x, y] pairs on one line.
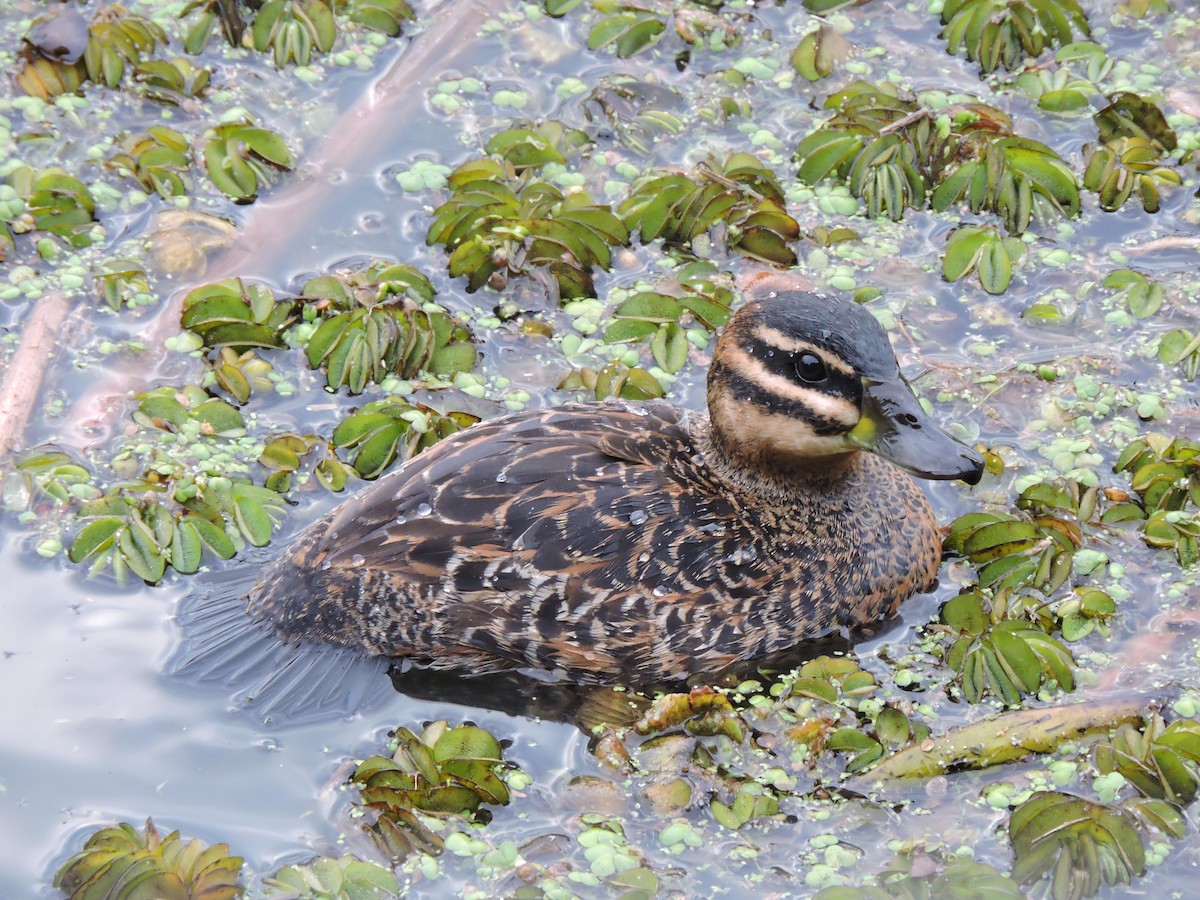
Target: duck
[[643, 542]]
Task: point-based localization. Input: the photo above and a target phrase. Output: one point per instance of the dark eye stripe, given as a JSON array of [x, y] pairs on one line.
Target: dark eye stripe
[[783, 363], [748, 391]]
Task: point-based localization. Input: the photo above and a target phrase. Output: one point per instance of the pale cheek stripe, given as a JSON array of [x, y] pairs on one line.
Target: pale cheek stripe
[[773, 337], [751, 427], [833, 409]]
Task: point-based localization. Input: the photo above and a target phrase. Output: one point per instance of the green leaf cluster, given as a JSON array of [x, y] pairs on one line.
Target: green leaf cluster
[[123, 281], [1165, 475], [499, 223], [237, 314], [983, 250], [1060, 89], [241, 159], [157, 159], [385, 430], [1161, 761], [740, 193], [378, 321], [326, 878], [173, 81], [121, 864], [385, 16], [1181, 347], [115, 39], [659, 316], [613, 380], [997, 33], [819, 52], [628, 31], [290, 29], [59, 203], [1122, 166], [1144, 295], [828, 713], [132, 530], [1004, 657], [956, 878], [282, 455], [628, 28], [895, 154], [1075, 843], [443, 772], [748, 802], [240, 374], [51, 474]]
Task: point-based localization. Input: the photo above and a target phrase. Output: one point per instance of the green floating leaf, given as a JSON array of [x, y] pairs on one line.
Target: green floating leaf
[[614, 380], [1077, 844], [1161, 761], [117, 862], [386, 430], [997, 33], [63, 206], [740, 192], [1130, 116], [499, 224], [241, 158], [386, 16], [379, 321], [981, 249], [292, 29], [325, 878], [442, 772], [819, 52], [628, 33]]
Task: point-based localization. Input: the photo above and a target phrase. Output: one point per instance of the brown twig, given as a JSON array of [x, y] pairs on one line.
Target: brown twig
[[23, 380]]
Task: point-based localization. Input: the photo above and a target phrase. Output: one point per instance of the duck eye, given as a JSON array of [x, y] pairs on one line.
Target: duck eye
[[811, 368]]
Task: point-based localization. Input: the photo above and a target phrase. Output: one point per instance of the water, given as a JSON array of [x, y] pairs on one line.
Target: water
[[93, 732]]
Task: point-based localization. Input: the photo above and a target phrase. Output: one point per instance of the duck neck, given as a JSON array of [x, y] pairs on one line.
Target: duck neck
[[757, 466]]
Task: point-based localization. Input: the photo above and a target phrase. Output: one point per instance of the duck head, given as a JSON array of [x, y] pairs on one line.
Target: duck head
[[800, 382]]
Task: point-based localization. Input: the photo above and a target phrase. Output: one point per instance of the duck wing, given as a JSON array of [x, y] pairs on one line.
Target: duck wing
[[551, 538]]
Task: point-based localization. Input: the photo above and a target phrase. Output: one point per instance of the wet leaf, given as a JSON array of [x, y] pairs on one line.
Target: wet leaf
[[118, 862], [1078, 844]]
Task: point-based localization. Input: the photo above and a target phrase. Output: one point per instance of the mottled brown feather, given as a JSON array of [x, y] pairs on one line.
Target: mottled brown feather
[[603, 542]]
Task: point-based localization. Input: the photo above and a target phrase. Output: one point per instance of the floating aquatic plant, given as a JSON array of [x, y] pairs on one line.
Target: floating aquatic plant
[[120, 864], [739, 193], [241, 159], [378, 321], [326, 878], [1165, 475], [498, 224], [157, 159], [238, 314], [895, 154], [699, 298], [442, 772], [386, 430], [1076, 843], [613, 380], [64, 52], [997, 33]]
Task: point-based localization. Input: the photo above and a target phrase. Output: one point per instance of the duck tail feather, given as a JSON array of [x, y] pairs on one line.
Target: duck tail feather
[[270, 680]]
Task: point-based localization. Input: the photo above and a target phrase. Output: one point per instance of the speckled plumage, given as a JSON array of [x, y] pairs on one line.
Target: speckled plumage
[[619, 541]]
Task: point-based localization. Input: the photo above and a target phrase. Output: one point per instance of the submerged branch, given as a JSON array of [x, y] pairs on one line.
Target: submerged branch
[[1007, 738], [23, 380]]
